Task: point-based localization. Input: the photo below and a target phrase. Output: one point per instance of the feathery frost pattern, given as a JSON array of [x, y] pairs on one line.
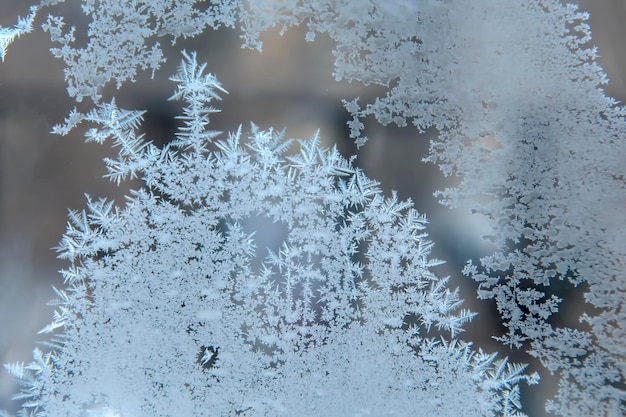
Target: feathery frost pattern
[[173, 309], [8, 35], [514, 92]]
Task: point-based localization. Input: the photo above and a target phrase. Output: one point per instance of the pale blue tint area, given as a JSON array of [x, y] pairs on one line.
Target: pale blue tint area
[[290, 85]]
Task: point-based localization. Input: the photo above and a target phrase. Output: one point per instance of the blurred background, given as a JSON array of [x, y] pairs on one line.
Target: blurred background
[[289, 85]]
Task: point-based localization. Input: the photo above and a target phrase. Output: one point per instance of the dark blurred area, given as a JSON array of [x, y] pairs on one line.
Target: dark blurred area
[[289, 85]]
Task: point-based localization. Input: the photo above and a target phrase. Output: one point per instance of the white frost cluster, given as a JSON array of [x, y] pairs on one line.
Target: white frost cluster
[[513, 90], [172, 309]]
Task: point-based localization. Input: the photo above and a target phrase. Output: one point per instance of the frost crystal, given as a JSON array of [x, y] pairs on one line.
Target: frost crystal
[[513, 90], [174, 308], [8, 35]]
